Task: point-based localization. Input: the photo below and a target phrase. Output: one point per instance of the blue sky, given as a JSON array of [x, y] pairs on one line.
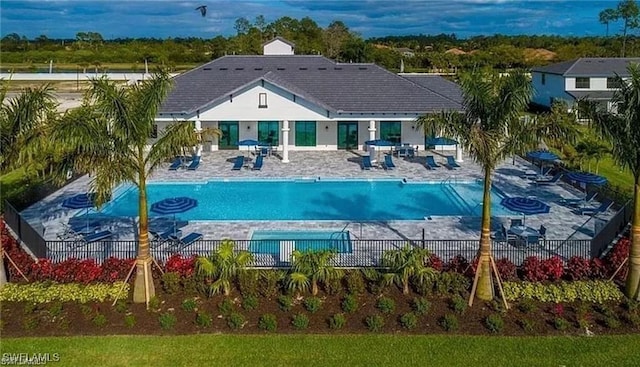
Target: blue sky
[[370, 18]]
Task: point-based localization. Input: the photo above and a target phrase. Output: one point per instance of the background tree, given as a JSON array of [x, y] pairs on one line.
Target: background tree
[[607, 16], [628, 11], [623, 131], [490, 130]]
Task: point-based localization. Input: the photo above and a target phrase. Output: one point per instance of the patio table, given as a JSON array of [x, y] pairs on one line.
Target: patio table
[[524, 232]]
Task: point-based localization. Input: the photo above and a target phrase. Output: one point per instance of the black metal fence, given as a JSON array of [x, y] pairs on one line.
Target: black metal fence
[[357, 253], [24, 231], [602, 240]]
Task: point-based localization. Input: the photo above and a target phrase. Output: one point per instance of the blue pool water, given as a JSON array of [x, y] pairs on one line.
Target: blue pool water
[[268, 242], [352, 200]]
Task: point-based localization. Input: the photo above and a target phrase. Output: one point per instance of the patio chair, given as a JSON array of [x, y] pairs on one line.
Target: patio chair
[[508, 236], [431, 163], [451, 162], [194, 163], [177, 163], [187, 240], [162, 237], [388, 162], [94, 237], [366, 162], [604, 206], [554, 180], [257, 165], [516, 222], [264, 151], [238, 163], [543, 232], [532, 240], [574, 202]]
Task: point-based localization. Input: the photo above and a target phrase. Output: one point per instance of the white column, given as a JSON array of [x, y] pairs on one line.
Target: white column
[[285, 141], [198, 129], [372, 130], [458, 153]]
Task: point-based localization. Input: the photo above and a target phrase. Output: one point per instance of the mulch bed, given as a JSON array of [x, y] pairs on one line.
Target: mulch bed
[[19, 319]]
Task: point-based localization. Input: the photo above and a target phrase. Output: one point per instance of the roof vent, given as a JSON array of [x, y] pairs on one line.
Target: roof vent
[[224, 69], [362, 68], [279, 68], [337, 68], [302, 68], [322, 68], [206, 68], [239, 68], [257, 68]]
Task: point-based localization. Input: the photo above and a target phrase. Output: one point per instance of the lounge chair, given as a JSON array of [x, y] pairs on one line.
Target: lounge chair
[[366, 162], [187, 240], [604, 206], [534, 175], [177, 163], [554, 180], [543, 232], [194, 163], [575, 202], [388, 162], [162, 237], [264, 151], [431, 163], [257, 165], [238, 163], [451, 162], [95, 237]]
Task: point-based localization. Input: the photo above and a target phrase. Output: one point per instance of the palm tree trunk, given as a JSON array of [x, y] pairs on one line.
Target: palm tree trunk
[[143, 288], [314, 287], [3, 274], [484, 290], [632, 288]]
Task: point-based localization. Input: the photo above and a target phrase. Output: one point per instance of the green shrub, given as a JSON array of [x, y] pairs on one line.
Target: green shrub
[[451, 283], [129, 320], [30, 322], [45, 292], [560, 323], [55, 309], [612, 322], [409, 320], [268, 322], [449, 322], [250, 302], [226, 306], [99, 320], [337, 321], [285, 302], [350, 303], [300, 321], [594, 291], [235, 321], [121, 306], [386, 305], [374, 280], [270, 282], [420, 306], [375, 322], [494, 323], [63, 323], [354, 282], [634, 319], [248, 281], [87, 311], [189, 304], [167, 321], [29, 308], [171, 282], [203, 319], [192, 284], [333, 286], [527, 325], [526, 305], [154, 303], [312, 304], [458, 304]]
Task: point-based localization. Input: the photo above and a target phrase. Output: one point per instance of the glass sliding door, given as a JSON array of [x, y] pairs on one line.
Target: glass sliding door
[[347, 135], [391, 131], [305, 134], [229, 138], [269, 132]]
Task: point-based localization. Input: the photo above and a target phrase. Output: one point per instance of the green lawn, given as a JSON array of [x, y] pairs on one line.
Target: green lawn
[[326, 350]]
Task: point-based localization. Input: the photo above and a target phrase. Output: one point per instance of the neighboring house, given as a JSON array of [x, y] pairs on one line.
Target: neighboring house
[[303, 102], [405, 51], [587, 78]]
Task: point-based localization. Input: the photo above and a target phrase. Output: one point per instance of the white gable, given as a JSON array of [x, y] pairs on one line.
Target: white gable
[[277, 47]]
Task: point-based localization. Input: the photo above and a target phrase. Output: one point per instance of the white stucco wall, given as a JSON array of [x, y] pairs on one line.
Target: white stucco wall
[[554, 87], [277, 47]]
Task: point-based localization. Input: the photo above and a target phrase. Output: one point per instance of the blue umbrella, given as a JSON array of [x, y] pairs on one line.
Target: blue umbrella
[[587, 178], [174, 206], [542, 156], [440, 140], [80, 201], [379, 143], [525, 205]]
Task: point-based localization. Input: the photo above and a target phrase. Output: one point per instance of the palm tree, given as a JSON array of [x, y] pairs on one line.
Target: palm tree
[[607, 16], [108, 138], [223, 266], [590, 149], [312, 267], [490, 129], [622, 128], [406, 264]]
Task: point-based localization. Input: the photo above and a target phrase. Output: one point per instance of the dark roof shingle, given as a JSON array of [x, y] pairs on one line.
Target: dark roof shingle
[[590, 66]]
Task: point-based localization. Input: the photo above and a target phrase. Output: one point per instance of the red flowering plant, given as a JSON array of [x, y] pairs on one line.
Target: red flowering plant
[[114, 269], [557, 310], [598, 269], [183, 265], [578, 268], [532, 269], [507, 269], [553, 268], [457, 264], [434, 261]]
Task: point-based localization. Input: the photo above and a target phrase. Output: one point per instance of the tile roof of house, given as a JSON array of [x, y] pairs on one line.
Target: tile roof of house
[[590, 66], [336, 87], [437, 84]]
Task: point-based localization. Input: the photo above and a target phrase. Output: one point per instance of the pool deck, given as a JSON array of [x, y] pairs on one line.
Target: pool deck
[[48, 215]]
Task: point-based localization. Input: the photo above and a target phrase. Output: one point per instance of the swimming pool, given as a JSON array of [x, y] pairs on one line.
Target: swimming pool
[[269, 242], [350, 200]]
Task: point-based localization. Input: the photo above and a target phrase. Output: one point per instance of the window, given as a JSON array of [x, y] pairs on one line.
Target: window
[[583, 83], [544, 78], [391, 131], [268, 132], [612, 83], [262, 100], [154, 132], [305, 133]]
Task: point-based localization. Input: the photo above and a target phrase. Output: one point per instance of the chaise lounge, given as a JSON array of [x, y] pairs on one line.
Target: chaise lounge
[[187, 240], [237, 164], [177, 163], [388, 162], [257, 165], [366, 162], [451, 162], [604, 206], [431, 163], [194, 163], [554, 180]]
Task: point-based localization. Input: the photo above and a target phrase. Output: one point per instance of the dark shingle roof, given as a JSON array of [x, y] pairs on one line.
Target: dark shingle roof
[[593, 95], [334, 86], [590, 66], [437, 84]]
